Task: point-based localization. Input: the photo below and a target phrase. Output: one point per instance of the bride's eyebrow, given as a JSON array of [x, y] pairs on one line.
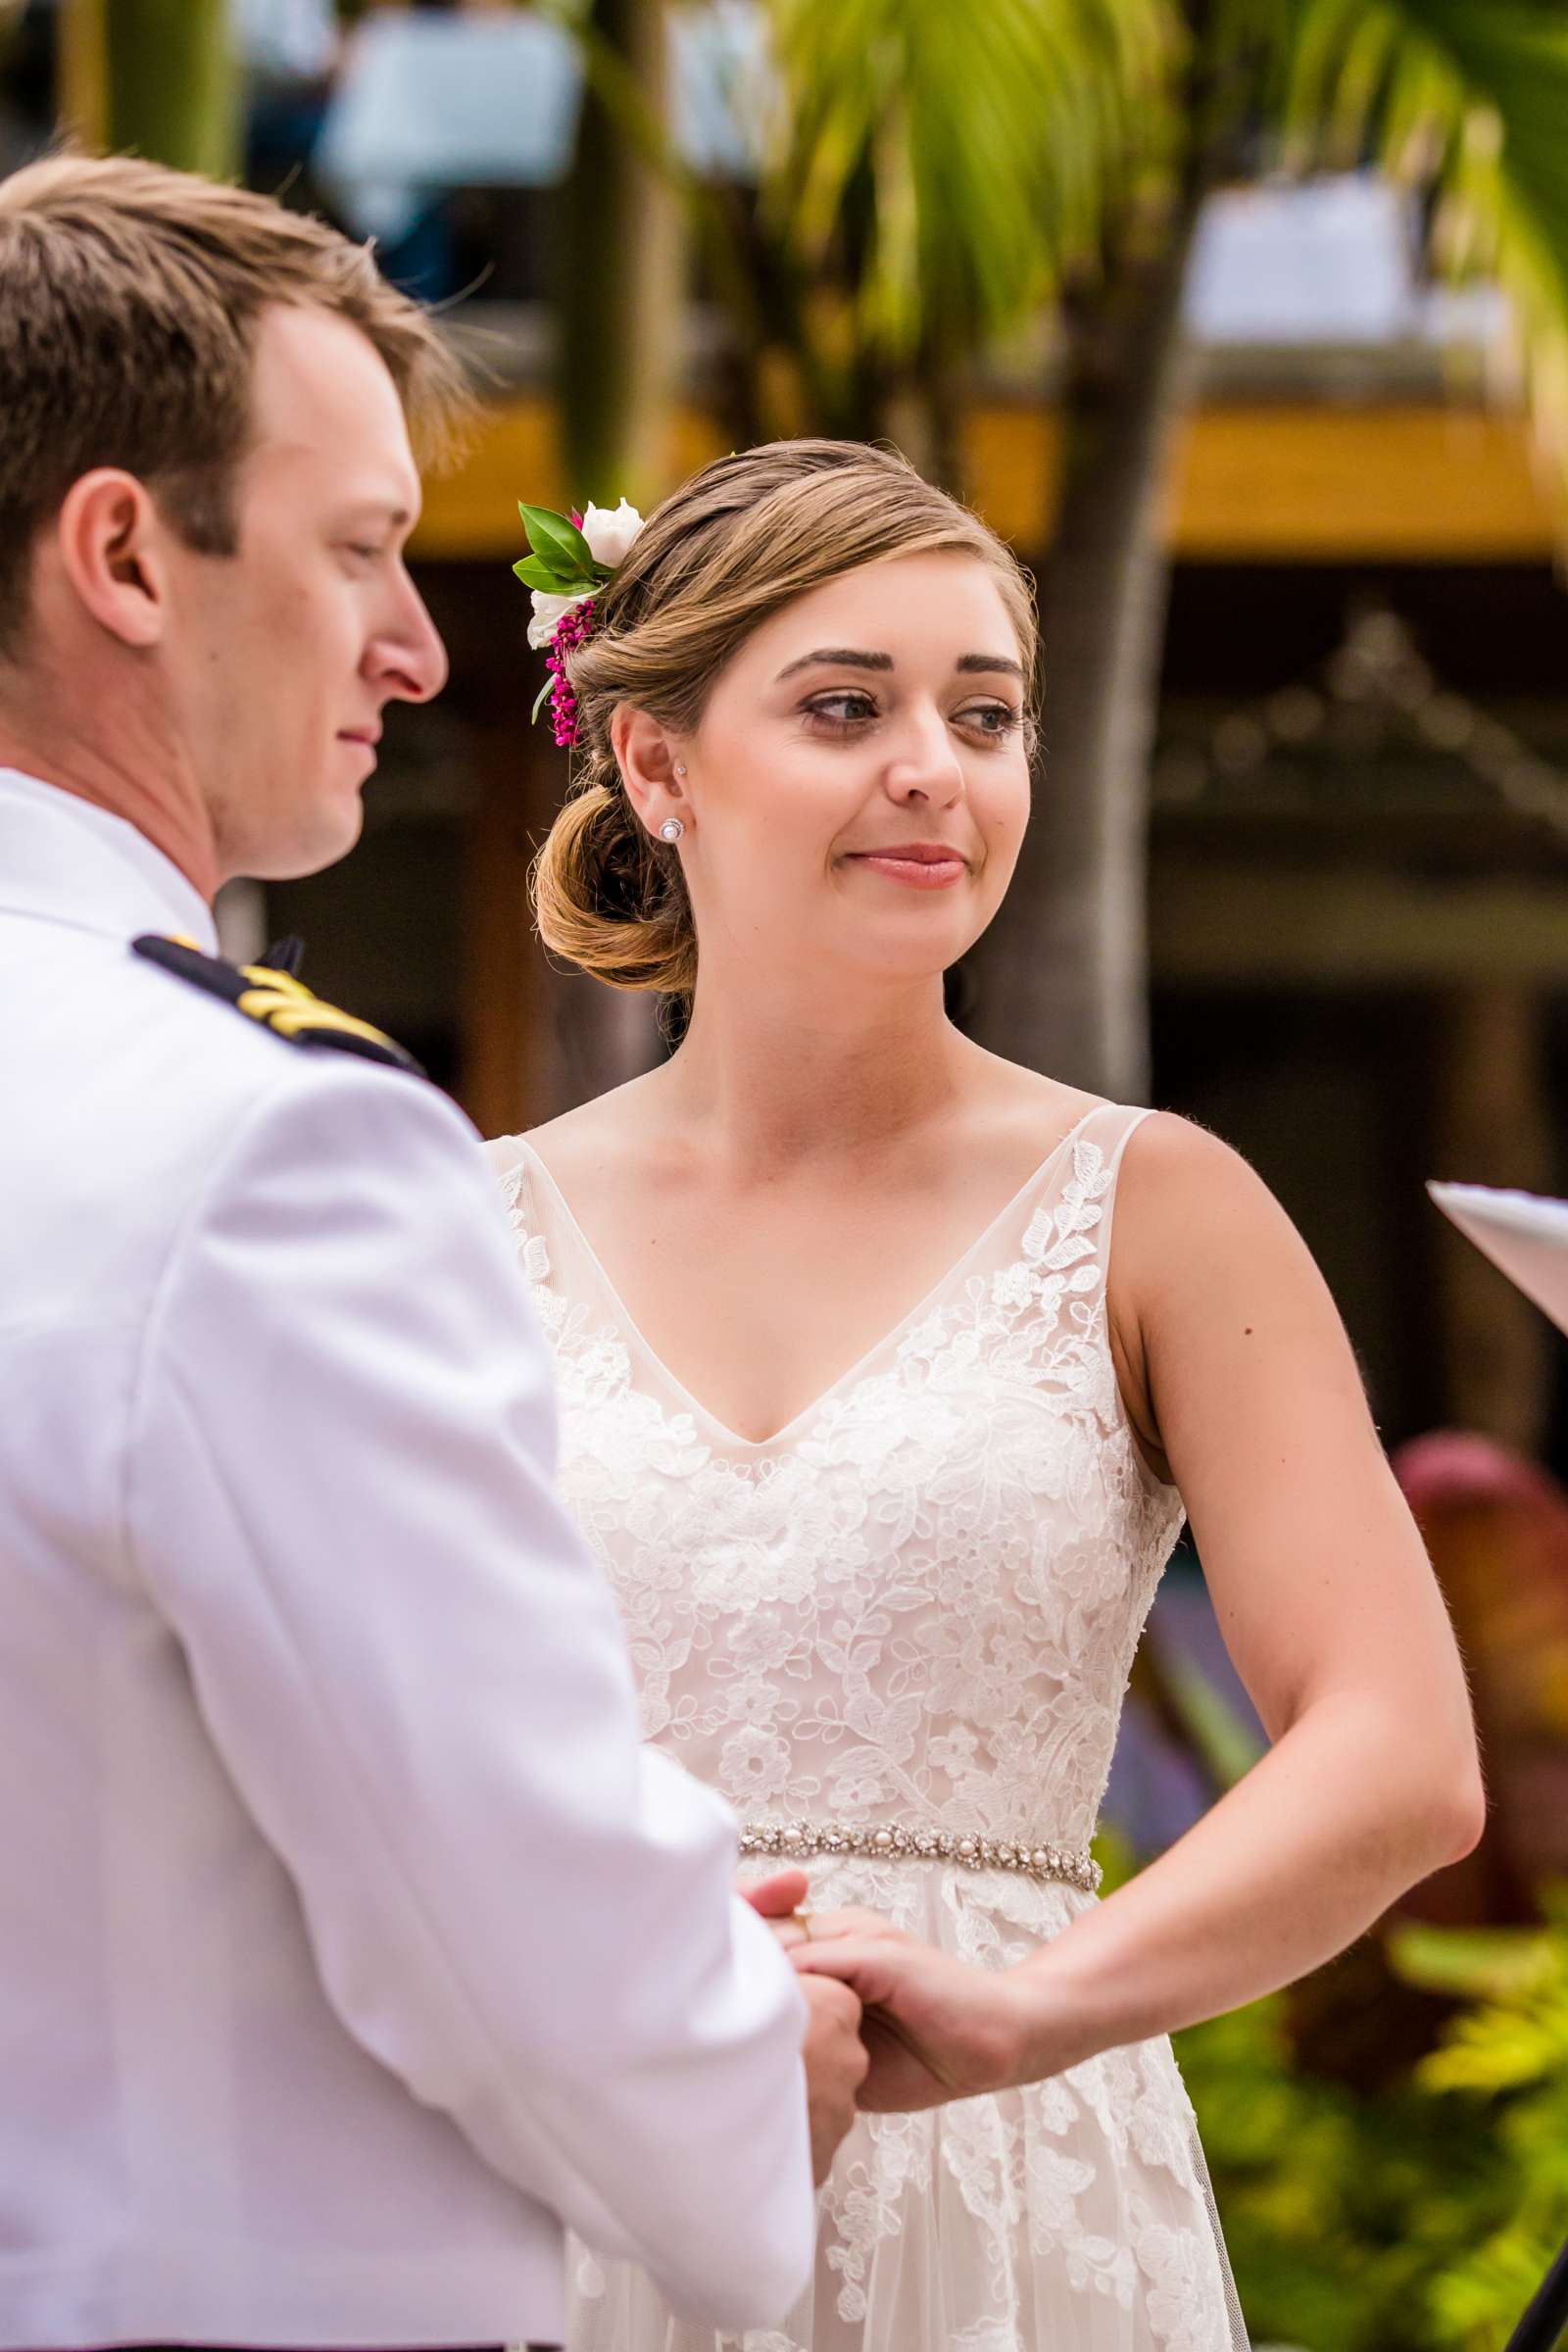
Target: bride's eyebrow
[[998, 664], [849, 656], [840, 656]]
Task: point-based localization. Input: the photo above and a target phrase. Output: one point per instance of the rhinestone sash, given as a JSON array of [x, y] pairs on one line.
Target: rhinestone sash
[[790, 1840]]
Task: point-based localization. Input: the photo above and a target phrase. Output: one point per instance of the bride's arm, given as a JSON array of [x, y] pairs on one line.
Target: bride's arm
[[1237, 1370]]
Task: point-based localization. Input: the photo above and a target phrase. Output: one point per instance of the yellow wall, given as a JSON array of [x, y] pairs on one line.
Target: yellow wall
[[1262, 483]]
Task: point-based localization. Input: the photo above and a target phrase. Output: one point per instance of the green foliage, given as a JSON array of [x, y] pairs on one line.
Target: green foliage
[[1113, 1851], [559, 561], [951, 167], [1465, 100], [1225, 1745], [1510, 2050], [947, 171], [1420, 2219], [172, 79]]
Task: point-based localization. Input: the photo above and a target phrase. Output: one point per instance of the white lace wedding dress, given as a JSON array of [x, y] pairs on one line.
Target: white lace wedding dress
[[913, 1611]]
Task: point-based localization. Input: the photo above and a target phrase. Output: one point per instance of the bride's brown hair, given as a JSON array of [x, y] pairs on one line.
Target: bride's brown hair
[[727, 550]]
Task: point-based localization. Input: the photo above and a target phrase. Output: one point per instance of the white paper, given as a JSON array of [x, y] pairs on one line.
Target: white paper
[[1525, 1234]]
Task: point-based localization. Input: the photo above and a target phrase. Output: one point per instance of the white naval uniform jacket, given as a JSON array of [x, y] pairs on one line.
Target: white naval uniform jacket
[[350, 1941]]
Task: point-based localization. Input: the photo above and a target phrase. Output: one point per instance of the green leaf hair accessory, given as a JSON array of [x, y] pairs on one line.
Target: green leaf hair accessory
[[569, 559]]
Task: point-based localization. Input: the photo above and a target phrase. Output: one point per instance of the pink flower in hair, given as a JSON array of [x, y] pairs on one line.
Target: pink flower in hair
[[572, 629]]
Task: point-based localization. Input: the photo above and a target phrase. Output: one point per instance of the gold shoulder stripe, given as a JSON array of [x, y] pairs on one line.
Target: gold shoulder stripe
[[277, 1000], [293, 1011]]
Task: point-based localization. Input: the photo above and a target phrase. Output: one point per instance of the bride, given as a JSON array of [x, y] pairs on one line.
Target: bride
[[888, 1372]]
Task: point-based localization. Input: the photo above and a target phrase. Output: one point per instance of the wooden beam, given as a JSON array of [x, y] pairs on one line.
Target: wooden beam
[[1492, 1123], [1276, 481], [1416, 483], [82, 72], [1241, 927], [501, 1012]]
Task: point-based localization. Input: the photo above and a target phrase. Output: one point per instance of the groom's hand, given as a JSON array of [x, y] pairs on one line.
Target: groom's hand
[[835, 2064], [835, 2057], [934, 2028]]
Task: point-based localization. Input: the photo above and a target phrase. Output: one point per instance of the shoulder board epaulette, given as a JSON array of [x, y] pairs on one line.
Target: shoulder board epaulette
[[277, 1000]]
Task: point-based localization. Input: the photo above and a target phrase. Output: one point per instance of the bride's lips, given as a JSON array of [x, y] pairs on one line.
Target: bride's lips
[[917, 865]]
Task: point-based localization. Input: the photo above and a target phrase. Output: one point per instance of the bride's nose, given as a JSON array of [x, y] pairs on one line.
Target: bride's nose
[[925, 765]]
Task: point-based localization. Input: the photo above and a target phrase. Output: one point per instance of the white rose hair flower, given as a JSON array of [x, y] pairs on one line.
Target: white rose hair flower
[[569, 559], [609, 531], [548, 614]]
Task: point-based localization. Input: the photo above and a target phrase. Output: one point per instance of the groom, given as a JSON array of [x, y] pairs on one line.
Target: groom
[[350, 1941]]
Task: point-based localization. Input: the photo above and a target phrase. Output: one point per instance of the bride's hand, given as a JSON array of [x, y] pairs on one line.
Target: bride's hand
[[780, 1899], [777, 1898], [935, 2028], [830, 1927]]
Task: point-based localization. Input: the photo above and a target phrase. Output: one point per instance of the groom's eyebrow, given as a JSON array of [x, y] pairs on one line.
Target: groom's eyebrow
[[840, 656], [389, 511]]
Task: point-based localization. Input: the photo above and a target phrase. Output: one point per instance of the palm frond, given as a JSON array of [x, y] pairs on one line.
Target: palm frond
[[1466, 100], [976, 149]]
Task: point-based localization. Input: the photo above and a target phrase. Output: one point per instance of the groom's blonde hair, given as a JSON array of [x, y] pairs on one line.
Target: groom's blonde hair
[[730, 548], [129, 301]]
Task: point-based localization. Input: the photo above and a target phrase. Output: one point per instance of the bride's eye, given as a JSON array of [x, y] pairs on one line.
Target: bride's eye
[[994, 719], [840, 712]]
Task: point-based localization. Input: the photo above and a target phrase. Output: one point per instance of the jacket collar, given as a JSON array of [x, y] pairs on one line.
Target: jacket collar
[[63, 860]]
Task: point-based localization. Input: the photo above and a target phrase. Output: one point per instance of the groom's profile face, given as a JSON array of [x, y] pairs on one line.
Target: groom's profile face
[[287, 652]]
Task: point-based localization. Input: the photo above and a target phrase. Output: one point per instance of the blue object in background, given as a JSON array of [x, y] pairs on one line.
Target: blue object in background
[[1158, 1788]]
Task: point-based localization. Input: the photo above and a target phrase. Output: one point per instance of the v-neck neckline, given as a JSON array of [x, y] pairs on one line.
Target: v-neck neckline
[[896, 1332]]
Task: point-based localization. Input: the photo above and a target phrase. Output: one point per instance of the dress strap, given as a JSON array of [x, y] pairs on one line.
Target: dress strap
[[1113, 1126], [1122, 1127], [510, 1165]]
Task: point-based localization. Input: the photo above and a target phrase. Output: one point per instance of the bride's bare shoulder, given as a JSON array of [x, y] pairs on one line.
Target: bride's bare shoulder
[[1194, 1216], [1026, 1109], [579, 1142]]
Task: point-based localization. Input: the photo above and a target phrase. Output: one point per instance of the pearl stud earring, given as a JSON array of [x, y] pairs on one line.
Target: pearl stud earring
[[680, 769], [671, 829]]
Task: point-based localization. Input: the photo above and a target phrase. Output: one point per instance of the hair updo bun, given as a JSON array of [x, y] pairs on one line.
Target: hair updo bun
[[604, 900], [722, 555]]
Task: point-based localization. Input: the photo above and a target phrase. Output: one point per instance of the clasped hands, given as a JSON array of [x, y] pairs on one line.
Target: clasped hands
[[896, 2024]]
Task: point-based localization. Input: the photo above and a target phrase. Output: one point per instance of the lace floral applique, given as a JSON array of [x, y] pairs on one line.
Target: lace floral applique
[[865, 2200], [532, 1254], [1179, 2297]]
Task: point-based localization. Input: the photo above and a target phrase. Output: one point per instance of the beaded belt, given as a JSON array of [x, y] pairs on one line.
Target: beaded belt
[[791, 1840]]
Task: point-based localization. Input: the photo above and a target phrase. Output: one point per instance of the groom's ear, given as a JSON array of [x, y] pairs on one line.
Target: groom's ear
[[649, 760], [107, 544]]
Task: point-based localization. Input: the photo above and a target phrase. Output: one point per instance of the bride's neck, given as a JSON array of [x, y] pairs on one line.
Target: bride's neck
[[772, 1080]]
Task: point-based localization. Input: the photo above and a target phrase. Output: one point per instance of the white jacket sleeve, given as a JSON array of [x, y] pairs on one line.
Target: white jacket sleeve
[[339, 1497]]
